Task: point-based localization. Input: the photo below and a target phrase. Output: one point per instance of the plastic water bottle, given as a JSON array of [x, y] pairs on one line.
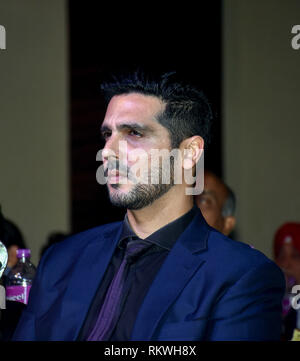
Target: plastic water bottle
[[20, 277], [3, 258], [3, 262]]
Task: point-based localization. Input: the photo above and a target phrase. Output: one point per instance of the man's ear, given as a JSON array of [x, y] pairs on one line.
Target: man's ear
[[229, 224], [192, 150]]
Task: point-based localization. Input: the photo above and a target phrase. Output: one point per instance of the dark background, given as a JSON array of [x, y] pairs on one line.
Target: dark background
[[104, 40]]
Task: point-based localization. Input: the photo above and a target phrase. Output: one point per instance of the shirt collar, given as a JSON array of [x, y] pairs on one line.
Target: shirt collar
[[164, 237]]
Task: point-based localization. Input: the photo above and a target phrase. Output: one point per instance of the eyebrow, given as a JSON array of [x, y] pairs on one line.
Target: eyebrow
[[208, 193], [129, 126]]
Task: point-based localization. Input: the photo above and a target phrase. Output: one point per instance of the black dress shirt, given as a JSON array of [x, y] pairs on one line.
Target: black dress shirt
[[141, 275]]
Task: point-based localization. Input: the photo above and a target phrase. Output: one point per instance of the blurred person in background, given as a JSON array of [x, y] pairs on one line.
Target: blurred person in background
[[217, 203], [12, 238], [287, 256]]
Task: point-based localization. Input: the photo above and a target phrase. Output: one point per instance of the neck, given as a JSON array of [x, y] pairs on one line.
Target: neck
[[164, 210]]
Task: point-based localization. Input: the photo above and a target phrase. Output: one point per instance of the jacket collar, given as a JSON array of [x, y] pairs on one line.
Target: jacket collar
[[167, 235], [185, 258]]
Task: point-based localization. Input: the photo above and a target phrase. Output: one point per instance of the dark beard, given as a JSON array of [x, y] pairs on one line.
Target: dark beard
[[142, 195]]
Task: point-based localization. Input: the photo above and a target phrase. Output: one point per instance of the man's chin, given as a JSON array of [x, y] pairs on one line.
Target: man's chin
[[119, 186], [122, 195], [135, 197]]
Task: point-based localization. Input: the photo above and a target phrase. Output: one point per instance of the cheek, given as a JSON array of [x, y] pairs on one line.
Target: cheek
[[138, 158], [208, 214], [212, 216], [147, 154]]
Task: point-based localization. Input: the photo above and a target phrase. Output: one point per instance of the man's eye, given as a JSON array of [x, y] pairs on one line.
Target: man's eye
[[205, 201], [135, 133], [105, 135]]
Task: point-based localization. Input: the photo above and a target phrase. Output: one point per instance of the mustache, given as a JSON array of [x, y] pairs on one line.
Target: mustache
[[115, 165]]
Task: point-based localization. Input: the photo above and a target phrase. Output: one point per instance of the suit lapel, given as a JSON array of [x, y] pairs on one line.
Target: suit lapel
[[85, 280], [180, 265]]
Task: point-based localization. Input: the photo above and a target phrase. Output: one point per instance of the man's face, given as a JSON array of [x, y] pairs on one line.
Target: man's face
[[289, 261], [131, 120], [211, 202]]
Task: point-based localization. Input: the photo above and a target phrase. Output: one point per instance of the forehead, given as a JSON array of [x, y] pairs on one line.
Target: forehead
[[133, 107]]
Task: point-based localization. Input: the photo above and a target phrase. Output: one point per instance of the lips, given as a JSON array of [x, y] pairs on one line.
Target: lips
[[113, 173], [116, 173], [114, 176]]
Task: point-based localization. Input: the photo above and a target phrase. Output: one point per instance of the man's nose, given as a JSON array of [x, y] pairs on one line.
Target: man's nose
[[111, 148]]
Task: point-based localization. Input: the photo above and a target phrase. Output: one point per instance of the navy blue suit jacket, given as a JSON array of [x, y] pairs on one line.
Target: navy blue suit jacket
[[209, 288]]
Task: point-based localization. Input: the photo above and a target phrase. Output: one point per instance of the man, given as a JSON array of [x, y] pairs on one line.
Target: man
[[217, 203], [163, 273], [12, 238], [286, 248]]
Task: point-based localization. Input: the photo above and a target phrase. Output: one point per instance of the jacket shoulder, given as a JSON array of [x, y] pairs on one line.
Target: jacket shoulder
[[76, 243], [236, 255]]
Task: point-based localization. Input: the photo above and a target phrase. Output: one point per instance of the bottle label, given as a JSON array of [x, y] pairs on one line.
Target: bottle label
[[18, 293]]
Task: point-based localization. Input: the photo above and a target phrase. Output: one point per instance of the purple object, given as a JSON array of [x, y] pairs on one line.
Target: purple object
[[110, 310], [18, 293], [25, 252]]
